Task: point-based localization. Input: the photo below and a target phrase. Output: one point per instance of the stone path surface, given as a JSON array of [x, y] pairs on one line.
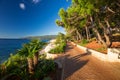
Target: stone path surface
[[78, 65]]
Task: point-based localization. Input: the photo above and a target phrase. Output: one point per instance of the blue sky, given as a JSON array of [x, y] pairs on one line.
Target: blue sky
[[20, 18]]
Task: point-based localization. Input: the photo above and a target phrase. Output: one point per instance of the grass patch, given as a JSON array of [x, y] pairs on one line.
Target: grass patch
[[102, 49], [83, 42]]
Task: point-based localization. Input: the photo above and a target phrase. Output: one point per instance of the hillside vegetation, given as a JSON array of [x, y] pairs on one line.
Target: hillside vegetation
[[45, 37]]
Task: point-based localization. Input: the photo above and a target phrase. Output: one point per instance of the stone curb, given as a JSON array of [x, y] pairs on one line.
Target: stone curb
[[110, 57]]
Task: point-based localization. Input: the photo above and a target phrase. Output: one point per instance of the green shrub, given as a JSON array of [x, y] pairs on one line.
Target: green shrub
[[42, 56], [58, 49], [83, 42], [61, 42], [47, 78], [17, 64], [92, 39], [44, 68], [0, 71], [101, 49]]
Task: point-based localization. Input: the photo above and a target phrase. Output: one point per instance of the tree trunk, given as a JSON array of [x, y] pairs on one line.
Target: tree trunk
[[99, 37], [106, 35], [108, 42], [79, 35], [73, 37], [35, 59], [30, 65], [87, 32], [97, 32], [108, 28]]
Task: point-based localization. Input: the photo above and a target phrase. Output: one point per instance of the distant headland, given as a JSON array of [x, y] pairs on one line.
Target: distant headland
[[44, 37]]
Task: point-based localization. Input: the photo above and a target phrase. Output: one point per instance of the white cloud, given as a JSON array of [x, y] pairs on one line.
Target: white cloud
[[22, 6], [36, 1]]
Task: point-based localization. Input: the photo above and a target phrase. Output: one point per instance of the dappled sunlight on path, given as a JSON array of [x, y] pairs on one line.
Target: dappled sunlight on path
[[78, 65]]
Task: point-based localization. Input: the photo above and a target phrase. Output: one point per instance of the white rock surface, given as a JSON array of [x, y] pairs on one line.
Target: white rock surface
[[50, 46], [46, 50]]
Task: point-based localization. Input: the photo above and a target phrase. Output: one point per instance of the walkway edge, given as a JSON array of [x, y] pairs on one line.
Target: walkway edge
[[99, 55], [63, 65]]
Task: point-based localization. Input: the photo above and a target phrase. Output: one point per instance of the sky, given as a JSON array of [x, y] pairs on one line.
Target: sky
[[21, 18]]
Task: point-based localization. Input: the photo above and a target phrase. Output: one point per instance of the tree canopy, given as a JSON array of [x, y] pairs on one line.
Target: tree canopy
[[85, 19]]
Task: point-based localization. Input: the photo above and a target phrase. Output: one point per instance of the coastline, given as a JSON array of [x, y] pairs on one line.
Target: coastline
[[10, 46], [46, 50]]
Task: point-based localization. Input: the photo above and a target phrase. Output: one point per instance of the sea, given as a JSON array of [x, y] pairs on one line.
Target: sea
[[10, 46]]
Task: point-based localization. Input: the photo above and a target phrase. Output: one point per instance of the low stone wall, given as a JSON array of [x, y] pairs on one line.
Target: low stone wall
[[51, 56], [112, 56]]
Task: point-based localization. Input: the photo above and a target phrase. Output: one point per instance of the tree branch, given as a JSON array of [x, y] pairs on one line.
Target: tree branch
[[110, 10]]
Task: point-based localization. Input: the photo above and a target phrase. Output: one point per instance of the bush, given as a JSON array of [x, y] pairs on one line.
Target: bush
[[61, 42], [42, 56], [1, 72], [92, 39], [44, 68], [58, 49], [18, 66], [83, 42]]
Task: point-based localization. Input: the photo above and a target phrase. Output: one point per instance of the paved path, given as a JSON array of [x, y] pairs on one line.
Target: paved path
[[81, 66]]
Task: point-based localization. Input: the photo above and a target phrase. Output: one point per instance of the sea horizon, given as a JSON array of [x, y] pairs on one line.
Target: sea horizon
[[10, 46]]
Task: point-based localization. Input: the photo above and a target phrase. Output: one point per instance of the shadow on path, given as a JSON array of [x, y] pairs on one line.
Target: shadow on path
[[73, 61], [72, 64]]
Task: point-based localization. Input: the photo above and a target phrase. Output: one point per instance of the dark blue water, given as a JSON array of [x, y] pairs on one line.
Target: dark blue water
[[8, 46]]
